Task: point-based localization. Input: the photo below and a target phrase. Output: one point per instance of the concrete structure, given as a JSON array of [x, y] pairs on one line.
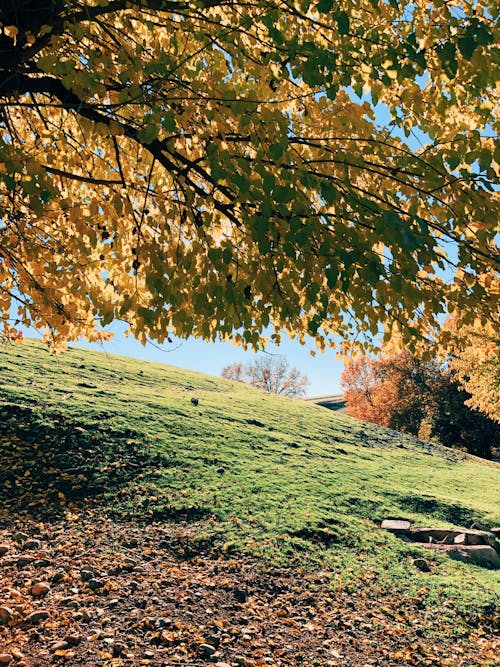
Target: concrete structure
[[333, 402]]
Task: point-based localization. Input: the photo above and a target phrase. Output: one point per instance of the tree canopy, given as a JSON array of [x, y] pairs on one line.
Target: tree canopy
[[218, 167]]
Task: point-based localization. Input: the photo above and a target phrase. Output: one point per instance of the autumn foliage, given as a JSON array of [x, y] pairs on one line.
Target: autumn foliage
[[476, 364], [421, 397], [211, 168]]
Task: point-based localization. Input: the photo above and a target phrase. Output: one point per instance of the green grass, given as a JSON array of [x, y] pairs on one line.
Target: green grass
[[290, 482]]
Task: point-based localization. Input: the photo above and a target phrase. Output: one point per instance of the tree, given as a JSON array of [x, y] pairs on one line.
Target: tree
[[394, 390], [213, 168], [476, 363], [421, 397], [274, 375]]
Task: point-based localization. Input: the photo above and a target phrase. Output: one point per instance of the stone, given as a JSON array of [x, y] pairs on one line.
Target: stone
[[119, 648], [396, 525], [32, 544], [37, 617], [59, 646], [58, 576], [73, 639], [95, 584], [478, 554], [207, 650], [24, 560], [433, 535], [496, 531], [194, 401], [129, 564], [3, 549], [86, 575], [5, 658], [6, 615], [19, 536], [69, 602], [40, 589], [240, 595], [443, 536]]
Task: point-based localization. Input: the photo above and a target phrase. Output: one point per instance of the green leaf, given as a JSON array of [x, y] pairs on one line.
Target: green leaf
[[325, 6], [342, 19], [467, 45], [329, 192], [276, 150], [168, 121], [10, 183], [453, 161], [331, 277]]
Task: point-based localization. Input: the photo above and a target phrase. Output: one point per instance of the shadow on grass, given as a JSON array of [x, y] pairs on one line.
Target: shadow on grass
[[48, 462], [439, 509]]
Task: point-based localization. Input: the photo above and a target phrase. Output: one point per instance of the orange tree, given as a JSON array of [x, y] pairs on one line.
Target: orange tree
[[216, 168], [421, 397]]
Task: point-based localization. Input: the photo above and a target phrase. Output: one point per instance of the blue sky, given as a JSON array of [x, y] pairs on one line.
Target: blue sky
[[323, 370]]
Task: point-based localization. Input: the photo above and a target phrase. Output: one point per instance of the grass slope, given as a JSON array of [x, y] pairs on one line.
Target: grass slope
[[278, 480]]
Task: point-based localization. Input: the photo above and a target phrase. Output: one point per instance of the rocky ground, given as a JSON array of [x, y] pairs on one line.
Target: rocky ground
[[85, 590]]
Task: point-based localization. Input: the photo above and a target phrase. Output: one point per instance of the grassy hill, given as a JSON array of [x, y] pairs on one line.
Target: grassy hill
[[275, 486]]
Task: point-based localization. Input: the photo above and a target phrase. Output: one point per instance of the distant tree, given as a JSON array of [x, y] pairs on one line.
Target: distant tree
[[421, 397], [269, 373], [234, 371]]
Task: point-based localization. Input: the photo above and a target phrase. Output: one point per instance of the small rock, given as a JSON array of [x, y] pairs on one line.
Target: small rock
[[3, 550], [20, 536], [119, 649], [32, 544], [95, 584], [113, 602], [73, 639], [69, 602], [129, 564], [86, 575], [6, 615], [43, 562], [24, 560], [40, 589], [194, 401], [207, 650], [58, 646], [58, 576], [133, 585], [5, 658], [37, 616], [240, 594], [421, 564]]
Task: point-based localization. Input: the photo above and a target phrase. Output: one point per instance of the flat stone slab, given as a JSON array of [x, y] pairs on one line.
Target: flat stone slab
[[396, 525], [479, 554], [442, 536]]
